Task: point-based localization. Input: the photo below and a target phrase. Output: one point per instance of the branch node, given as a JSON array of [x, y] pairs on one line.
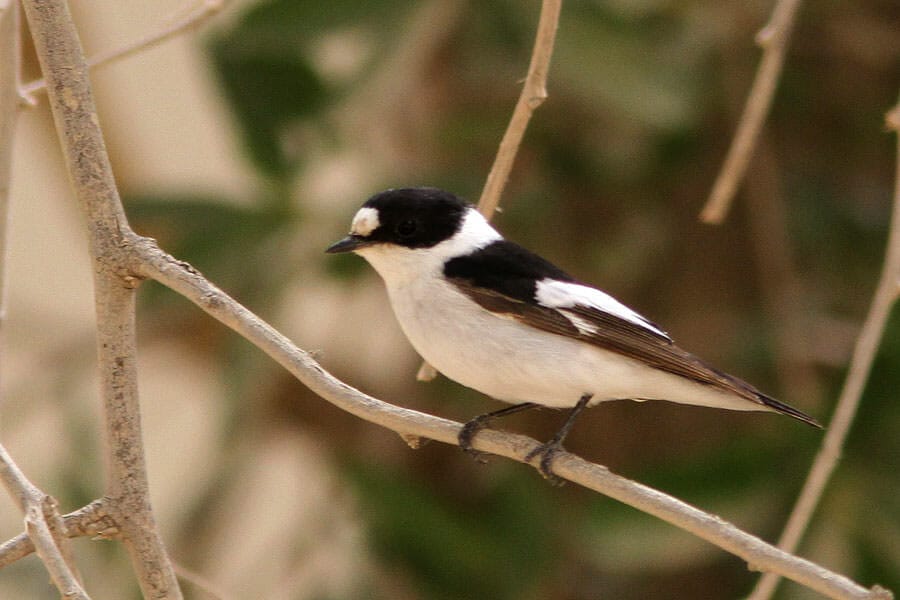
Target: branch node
[[537, 99]]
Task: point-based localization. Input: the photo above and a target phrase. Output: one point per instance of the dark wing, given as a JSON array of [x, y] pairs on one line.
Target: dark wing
[[505, 281]]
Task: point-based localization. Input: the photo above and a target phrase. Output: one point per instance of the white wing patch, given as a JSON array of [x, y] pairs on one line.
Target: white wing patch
[[583, 325], [560, 294]]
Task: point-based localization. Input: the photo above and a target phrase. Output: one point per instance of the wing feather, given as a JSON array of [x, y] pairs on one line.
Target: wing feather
[[623, 337]]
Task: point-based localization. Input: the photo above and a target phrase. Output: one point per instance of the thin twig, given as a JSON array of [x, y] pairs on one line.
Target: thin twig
[[92, 521], [41, 519], [534, 92], [774, 40], [858, 373], [182, 278], [77, 124], [177, 25]]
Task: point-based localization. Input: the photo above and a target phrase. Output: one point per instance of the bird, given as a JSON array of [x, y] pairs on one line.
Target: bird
[[496, 317]]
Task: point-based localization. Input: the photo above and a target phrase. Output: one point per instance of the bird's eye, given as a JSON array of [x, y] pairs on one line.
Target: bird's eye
[[407, 228]]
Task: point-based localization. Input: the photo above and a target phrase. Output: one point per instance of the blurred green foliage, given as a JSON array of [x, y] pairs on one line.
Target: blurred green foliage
[[644, 97], [495, 549], [219, 249], [268, 72]]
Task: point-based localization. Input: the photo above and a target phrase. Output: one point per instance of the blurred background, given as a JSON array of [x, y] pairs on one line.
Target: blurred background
[[245, 149]]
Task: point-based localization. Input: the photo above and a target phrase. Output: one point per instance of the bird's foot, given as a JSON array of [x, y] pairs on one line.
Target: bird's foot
[[547, 452], [467, 434], [471, 428]]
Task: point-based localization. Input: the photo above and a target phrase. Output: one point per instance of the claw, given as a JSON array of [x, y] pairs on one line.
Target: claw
[[467, 433], [472, 427], [547, 452]]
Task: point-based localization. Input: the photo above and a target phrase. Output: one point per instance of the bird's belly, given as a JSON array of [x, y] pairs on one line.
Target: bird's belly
[[505, 359], [510, 361]]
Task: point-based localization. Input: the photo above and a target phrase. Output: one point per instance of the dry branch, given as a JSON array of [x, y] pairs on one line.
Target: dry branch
[[774, 40], [867, 343], [44, 528], [91, 521], [78, 127]]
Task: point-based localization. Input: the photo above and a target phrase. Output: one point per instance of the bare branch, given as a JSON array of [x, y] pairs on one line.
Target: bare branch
[[185, 280], [534, 92], [78, 127], [858, 373], [92, 520], [177, 24], [774, 40], [41, 522]]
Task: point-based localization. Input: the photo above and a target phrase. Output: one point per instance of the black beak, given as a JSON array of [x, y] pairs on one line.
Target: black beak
[[348, 244]]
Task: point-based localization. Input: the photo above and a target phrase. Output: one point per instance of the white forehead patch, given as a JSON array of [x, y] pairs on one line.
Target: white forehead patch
[[365, 222]]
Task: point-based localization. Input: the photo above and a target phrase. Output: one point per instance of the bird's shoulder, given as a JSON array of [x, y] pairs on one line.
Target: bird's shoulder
[[505, 268]]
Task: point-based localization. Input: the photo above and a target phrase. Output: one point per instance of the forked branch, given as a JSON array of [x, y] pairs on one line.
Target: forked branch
[[92, 521], [44, 528], [90, 172]]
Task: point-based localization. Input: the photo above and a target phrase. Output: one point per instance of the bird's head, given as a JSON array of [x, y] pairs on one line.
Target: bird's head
[[414, 230]]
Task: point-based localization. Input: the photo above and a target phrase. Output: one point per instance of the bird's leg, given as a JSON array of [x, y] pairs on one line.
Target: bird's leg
[[548, 450], [473, 426]]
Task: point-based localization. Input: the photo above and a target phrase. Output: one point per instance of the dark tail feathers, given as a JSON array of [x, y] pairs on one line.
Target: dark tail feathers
[[788, 410]]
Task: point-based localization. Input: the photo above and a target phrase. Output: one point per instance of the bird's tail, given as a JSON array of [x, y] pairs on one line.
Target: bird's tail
[[788, 410]]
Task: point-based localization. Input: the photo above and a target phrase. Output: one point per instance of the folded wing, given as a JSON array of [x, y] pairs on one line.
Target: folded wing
[[511, 281]]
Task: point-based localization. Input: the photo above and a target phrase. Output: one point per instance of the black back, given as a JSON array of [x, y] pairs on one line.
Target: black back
[[416, 217], [505, 267]]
